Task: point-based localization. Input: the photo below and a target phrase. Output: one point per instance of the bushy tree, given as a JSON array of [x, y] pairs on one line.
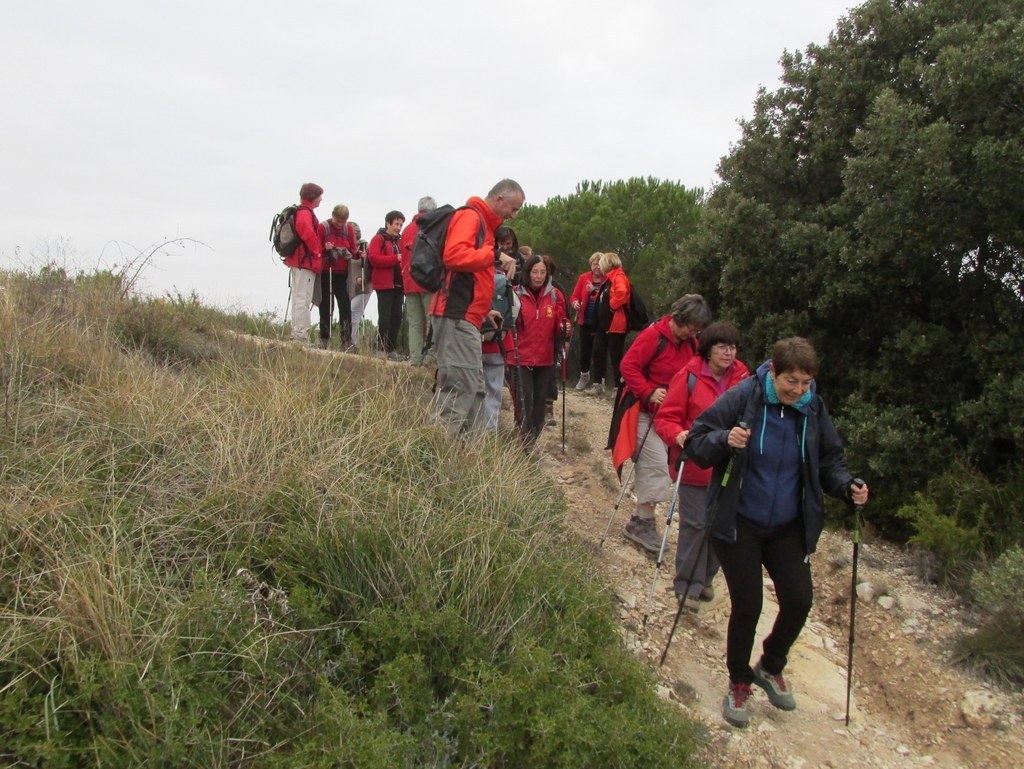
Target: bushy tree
[[644, 221], [875, 203]]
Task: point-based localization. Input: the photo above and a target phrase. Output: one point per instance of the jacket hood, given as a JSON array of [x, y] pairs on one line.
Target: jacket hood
[[491, 219]]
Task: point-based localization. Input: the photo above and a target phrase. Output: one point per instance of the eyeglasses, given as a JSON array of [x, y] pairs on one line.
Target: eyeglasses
[[726, 347]]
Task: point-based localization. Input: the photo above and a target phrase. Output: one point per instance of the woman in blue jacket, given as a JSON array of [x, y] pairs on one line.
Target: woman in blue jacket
[[774, 452]]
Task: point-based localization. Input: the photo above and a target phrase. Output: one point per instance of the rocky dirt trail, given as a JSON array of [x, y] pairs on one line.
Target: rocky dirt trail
[[911, 706]]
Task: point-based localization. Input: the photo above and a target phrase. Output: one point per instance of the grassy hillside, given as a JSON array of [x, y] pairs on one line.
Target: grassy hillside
[[221, 553]]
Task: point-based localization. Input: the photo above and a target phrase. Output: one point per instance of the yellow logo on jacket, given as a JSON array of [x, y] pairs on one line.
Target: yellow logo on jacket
[[550, 312]]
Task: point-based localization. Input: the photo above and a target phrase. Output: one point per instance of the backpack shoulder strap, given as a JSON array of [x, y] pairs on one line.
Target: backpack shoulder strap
[[691, 382]]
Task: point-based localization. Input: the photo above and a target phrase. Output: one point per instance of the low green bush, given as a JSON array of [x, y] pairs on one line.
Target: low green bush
[[264, 558]]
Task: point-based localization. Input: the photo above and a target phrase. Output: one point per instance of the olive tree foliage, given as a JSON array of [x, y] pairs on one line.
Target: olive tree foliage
[[644, 221], [875, 203]]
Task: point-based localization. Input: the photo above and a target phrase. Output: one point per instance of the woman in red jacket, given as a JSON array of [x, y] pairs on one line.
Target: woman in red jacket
[[584, 302], [306, 261], [386, 261], [542, 321], [610, 340], [707, 376]]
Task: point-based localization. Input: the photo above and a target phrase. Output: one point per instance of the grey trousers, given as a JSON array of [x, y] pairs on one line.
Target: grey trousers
[[694, 553], [459, 400]]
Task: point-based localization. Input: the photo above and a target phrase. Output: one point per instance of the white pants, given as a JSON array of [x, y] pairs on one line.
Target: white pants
[[303, 282], [359, 302], [494, 382], [651, 482]]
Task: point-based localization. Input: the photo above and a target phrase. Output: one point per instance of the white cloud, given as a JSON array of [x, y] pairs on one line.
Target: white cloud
[[135, 122]]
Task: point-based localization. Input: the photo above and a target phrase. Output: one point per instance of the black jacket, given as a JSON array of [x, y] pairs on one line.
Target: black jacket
[[824, 468]]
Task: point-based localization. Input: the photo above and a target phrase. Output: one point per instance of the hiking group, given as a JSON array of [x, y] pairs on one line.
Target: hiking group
[[745, 458]]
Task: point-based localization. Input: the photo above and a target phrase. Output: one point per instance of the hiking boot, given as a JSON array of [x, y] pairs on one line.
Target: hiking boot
[[734, 709], [549, 415], [596, 389], [707, 593], [775, 686], [323, 343], [395, 357], [643, 532], [584, 381]]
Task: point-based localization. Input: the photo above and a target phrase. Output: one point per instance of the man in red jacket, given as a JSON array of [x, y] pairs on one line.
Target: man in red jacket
[[306, 261], [459, 308], [417, 298]]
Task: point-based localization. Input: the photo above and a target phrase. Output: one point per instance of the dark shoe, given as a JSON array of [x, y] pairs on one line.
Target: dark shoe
[[734, 709], [644, 532], [707, 593], [323, 344], [549, 415], [775, 686]]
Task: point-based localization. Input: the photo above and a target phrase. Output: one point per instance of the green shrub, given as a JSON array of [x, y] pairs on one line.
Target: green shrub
[[264, 558], [997, 648]]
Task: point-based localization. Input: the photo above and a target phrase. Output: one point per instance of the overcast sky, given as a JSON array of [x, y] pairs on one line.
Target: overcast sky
[[130, 123]]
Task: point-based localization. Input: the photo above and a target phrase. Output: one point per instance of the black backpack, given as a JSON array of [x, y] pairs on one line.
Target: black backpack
[[637, 317], [427, 265], [282, 232]]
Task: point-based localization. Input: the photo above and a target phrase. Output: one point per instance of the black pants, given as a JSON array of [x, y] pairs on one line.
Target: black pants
[[389, 317], [611, 346], [781, 550], [535, 381], [587, 335], [336, 283]]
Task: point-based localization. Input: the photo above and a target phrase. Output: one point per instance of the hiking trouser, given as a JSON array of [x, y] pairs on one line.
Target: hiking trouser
[[694, 553], [587, 335], [494, 384], [417, 306], [651, 483], [389, 317], [358, 303], [459, 398], [781, 550], [303, 282], [337, 284], [609, 346], [535, 381]]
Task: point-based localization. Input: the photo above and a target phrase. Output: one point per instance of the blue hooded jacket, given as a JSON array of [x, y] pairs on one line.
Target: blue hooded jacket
[[794, 455]]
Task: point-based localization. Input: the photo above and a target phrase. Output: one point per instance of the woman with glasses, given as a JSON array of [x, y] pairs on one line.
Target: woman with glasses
[[657, 353], [698, 384], [774, 454]]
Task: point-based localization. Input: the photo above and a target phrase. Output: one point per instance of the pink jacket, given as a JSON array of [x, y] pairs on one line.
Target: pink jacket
[[681, 407]]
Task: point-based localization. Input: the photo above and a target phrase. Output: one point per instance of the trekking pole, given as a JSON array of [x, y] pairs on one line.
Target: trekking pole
[[564, 356], [330, 304], [704, 543], [625, 485], [664, 539], [517, 378], [853, 599]]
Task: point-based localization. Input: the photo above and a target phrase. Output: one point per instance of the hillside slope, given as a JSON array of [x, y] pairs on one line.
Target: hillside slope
[[911, 707]]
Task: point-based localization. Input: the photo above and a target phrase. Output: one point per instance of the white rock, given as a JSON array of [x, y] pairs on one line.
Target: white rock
[[980, 710], [886, 602], [865, 591], [911, 604], [903, 750]]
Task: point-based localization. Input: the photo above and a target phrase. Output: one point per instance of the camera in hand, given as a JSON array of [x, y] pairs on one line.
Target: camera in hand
[[335, 255]]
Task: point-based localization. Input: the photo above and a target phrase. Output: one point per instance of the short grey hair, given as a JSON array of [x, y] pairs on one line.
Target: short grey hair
[[426, 203], [691, 310], [506, 187]]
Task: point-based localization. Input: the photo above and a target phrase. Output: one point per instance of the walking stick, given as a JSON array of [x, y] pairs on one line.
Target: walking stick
[[853, 599], [565, 351], [664, 539], [693, 570], [625, 485]]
